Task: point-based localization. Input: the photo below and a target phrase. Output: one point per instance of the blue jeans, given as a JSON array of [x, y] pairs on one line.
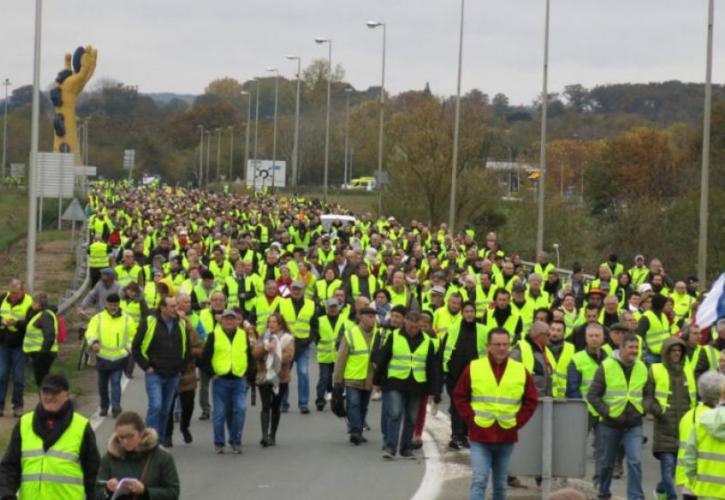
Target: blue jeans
[[324, 384], [114, 378], [609, 441], [487, 457], [356, 401], [230, 408], [160, 392], [12, 359], [403, 408], [668, 462], [302, 360]]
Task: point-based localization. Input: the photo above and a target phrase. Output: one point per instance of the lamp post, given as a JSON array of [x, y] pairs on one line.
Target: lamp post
[[274, 123], [246, 131], [218, 150], [256, 124], [231, 151], [34, 137], [327, 120], [542, 152], [296, 142], [201, 153], [348, 91], [208, 156], [373, 25], [705, 173], [456, 126], [7, 84]]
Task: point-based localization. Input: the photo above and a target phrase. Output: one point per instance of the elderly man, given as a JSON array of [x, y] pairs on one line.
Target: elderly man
[[704, 452], [533, 352], [96, 298], [14, 307], [708, 387]]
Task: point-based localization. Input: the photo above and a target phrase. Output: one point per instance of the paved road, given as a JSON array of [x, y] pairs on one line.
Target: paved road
[[313, 458]]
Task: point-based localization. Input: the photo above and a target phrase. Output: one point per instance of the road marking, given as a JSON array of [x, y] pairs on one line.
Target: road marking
[[96, 419], [432, 482]]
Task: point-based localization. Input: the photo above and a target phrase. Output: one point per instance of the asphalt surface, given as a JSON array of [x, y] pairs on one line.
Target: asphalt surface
[[313, 458]]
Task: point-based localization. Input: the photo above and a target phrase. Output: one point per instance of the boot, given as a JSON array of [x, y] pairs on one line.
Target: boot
[[265, 429], [275, 424]]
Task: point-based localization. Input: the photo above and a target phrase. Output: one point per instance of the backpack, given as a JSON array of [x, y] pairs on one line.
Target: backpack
[[62, 329]]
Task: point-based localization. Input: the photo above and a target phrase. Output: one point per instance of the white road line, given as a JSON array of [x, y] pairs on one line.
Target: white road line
[[96, 419], [430, 485]]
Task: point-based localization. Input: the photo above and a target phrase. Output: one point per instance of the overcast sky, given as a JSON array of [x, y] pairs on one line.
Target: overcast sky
[[181, 45]]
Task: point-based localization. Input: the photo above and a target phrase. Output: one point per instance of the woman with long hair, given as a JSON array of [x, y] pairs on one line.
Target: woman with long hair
[[273, 352]]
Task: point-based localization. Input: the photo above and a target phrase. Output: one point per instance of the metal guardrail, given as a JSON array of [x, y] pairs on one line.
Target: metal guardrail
[[81, 276], [565, 272]]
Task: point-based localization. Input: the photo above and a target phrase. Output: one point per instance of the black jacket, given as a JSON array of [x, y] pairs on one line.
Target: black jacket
[[409, 385], [465, 350], [165, 354], [10, 469]]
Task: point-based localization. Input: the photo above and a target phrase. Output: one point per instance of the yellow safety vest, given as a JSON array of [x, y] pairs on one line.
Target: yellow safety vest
[[399, 298], [661, 377], [113, 335], [263, 309], [620, 391], [452, 339], [358, 354], [528, 359], [126, 276], [404, 362], [230, 356], [587, 368], [509, 325], [298, 323], [658, 332], [56, 472], [687, 422], [326, 290], [355, 286], [328, 337], [443, 319], [98, 255], [710, 477], [18, 312], [33, 341], [151, 331], [561, 367], [496, 402]]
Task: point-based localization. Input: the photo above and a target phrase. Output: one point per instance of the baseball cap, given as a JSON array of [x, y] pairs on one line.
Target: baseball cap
[[55, 383], [332, 302], [519, 288], [298, 284], [438, 289], [229, 313]]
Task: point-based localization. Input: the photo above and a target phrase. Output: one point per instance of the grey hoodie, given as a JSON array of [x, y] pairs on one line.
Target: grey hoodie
[[714, 423]]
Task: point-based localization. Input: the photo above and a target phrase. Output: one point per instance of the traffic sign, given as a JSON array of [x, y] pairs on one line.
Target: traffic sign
[[74, 212]]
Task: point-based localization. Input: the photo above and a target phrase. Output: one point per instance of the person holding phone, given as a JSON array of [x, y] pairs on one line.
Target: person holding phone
[[135, 465]]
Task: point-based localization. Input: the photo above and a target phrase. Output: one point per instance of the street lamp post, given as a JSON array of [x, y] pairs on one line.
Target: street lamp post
[[34, 137], [296, 143], [348, 91], [274, 123], [246, 131], [456, 126], [208, 156], [231, 151], [373, 25], [542, 152], [7, 84], [327, 120], [201, 154], [256, 124], [705, 173], [218, 150]]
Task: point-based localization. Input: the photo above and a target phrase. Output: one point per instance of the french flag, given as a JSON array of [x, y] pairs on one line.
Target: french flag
[[713, 307]]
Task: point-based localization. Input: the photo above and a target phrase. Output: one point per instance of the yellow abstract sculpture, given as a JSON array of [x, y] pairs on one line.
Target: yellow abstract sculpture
[[69, 84]]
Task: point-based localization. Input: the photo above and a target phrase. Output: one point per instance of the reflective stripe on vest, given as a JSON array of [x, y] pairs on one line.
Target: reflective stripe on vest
[[560, 368], [710, 476], [404, 362], [687, 422], [98, 255], [298, 322], [662, 385], [496, 402], [33, 341], [587, 367], [358, 354], [229, 356], [620, 391], [263, 309], [658, 332], [326, 352], [57, 472], [113, 336]]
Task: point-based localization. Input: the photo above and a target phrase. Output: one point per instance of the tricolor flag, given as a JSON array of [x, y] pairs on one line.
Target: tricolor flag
[[713, 307]]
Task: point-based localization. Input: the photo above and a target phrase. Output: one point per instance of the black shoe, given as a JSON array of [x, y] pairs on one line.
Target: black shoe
[[417, 444], [453, 445], [103, 413], [355, 439], [464, 443], [304, 410], [272, 440], [320, 406], [188, 438], [204, 415], [363, 438], [264, 441], [116, 412], [167, 443], [388, 454], [407, 454]]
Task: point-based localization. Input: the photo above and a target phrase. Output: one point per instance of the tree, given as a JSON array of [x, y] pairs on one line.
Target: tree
[[500, 104], [577, 97]]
